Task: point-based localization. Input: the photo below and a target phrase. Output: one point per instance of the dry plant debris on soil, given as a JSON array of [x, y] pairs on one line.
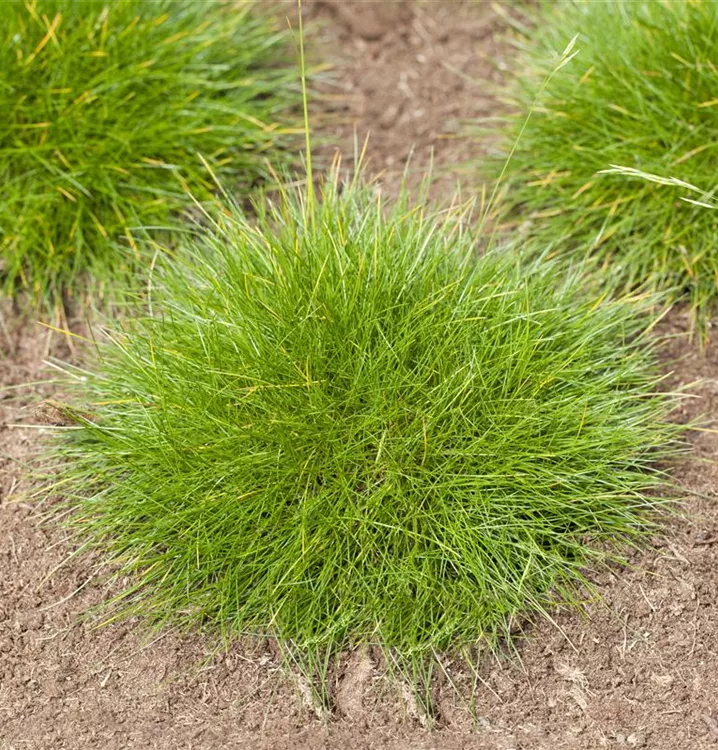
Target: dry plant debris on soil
[[639, 673]]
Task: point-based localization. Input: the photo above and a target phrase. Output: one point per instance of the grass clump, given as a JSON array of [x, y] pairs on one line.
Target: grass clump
[[638, 100], [107, 109], [341, 425]]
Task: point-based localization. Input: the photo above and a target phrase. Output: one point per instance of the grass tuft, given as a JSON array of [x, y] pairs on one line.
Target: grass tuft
[[108, 108], [346, 427], [622, 143]]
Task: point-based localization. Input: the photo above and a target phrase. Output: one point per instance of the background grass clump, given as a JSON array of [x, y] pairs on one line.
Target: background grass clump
[[639, 95], [341, 425], [107, 108]]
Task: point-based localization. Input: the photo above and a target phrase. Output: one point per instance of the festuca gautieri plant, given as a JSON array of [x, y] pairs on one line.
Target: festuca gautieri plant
[[340, 425], [109, 109], [622, 141]]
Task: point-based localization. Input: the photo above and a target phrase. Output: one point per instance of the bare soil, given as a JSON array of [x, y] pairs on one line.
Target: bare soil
[[409, 76], [639, 669]]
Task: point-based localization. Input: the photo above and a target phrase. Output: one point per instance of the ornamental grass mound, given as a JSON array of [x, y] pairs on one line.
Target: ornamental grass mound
[[638, 101], [109, 109], [340, 425]]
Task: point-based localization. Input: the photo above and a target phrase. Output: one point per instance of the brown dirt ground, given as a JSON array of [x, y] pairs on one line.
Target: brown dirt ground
[[409, 76], [639, 670]]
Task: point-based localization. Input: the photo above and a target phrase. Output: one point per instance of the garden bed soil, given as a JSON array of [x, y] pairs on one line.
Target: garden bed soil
[[639, 670]]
